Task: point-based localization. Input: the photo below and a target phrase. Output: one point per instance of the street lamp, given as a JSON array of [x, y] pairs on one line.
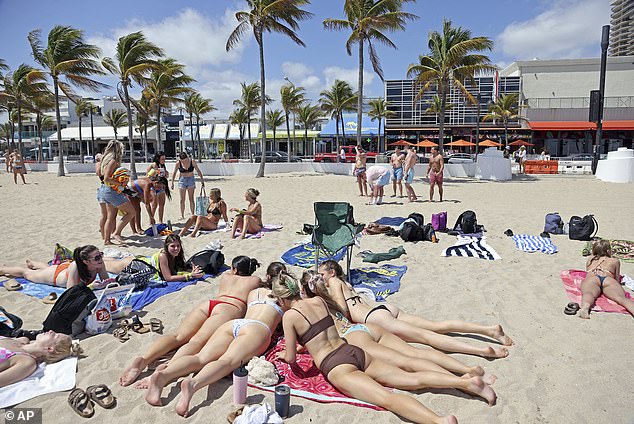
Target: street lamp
[[605, 40], [478, 124]]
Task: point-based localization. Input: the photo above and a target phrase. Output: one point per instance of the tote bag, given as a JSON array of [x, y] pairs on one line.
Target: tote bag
[[202, 203]]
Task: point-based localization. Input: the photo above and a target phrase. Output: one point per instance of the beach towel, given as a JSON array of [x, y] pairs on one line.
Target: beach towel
[[304, 255], [383, 280], [222, 228], [572, 279], [306, 381], [531, 244], [621, 249], [47, 378], [389, 220], [472, 247], [265, 229]]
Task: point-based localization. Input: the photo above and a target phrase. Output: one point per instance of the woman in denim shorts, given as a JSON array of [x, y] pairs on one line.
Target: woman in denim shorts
[[186, 165], [112, 193]]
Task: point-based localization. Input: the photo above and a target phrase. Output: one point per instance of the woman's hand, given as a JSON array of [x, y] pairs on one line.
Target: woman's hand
[[172, 185], [233, 210], [197, 272]]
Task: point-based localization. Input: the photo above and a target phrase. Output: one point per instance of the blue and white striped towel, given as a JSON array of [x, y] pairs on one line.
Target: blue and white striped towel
[[528, 243], [471, 247]]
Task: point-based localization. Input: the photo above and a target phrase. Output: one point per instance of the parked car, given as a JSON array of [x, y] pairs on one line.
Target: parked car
[[459, 158], [139, 156], [350, 155], [277, 156]]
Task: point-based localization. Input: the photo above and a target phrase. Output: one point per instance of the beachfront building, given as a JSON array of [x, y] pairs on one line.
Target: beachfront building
[[622, 28], [348, 133]]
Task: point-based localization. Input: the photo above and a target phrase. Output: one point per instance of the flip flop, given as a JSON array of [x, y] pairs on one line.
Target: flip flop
[[81, 403], [101, 395], [572, 308], [508, 232], [121, 334], [50, 299], [12, 285], [137, 326], [156, 325]]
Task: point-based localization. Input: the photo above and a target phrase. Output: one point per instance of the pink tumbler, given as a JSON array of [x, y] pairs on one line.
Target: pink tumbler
[[240, 380]]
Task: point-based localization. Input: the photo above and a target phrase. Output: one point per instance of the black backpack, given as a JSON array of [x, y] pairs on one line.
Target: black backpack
[[429, 234], [210, 261], [582, 228], [138, 272], [418, 217], [68, 308], [467, 223]]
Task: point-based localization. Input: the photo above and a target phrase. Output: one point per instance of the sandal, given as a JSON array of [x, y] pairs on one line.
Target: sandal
[[101, 395], [572, 308], [137, 326], [12, 285], [156, 325], [81, 403], [121, 334], [50, 299]]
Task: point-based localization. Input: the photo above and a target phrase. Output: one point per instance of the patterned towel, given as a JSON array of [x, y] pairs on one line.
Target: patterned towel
[[472, 247], [572, 279], [306, 381], [381, 280], [621, 249], [531, 244], [304, 255]]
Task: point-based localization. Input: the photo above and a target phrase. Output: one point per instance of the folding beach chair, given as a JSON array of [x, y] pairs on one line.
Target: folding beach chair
[[334, 230]]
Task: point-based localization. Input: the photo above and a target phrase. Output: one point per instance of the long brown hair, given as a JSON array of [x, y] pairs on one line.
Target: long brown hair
[[314, 286], [600, 249], [177, 263]]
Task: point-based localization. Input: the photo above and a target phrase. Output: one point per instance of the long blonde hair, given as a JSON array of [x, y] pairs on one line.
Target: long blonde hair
[[112, 152], [64, 348]]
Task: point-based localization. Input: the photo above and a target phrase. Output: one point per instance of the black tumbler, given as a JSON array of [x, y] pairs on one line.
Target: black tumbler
[[282, 400]]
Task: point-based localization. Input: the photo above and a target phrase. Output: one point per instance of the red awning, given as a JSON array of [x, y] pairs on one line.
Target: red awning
[[622, 125], [618, 125]]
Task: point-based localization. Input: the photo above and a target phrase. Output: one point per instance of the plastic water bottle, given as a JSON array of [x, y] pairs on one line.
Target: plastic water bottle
[[169, 225], [240, 380], [154, 230], [282, 400]]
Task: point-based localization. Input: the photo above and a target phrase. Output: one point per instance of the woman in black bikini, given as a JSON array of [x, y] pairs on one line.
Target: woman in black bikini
[[158, 168], [186, 182], [217, 209], [603, 276]]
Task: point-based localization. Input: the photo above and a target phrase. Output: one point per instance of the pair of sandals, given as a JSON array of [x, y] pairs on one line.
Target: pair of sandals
[[572, 308], [134, 324], [83, 402]]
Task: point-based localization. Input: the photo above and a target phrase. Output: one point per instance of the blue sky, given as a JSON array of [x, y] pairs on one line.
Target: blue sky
[[195, 32]]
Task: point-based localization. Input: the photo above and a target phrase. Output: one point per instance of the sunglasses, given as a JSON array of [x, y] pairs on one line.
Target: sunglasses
[[97, 258]]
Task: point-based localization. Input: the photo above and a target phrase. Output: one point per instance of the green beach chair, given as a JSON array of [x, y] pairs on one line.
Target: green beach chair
[[334, 230]]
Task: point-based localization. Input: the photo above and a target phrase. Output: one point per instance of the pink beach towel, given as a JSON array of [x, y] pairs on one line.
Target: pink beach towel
[[572, 279], [306, 381]]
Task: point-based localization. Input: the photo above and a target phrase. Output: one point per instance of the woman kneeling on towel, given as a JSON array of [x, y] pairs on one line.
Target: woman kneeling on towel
[[197, 327], [20, 357], [249, 220], [87, 263], [603, 276], [408, 327]]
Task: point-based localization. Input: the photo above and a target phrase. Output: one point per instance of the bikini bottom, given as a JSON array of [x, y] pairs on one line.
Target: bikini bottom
[[344, 354]]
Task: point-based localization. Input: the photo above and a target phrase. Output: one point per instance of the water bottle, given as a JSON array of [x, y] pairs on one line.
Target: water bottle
[[240, 380], [282, 400], [169, 225], [154, 230]]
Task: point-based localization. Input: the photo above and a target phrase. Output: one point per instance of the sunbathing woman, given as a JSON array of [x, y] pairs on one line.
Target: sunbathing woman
[[233, 344], [408, 327], [87, 263], [217, 209], [158, 168], [204, 320], [309, 322], [20, 357], [248, 220], [144, 190], [603, 276]]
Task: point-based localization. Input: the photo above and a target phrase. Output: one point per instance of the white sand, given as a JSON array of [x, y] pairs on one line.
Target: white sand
[[561, 370]]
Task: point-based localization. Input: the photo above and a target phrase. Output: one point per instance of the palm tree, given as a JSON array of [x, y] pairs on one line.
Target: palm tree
[[134, 59], [250, 101], [166, 86], [268, 16], [42, 122], [368, 20], [454, 56], [144, 111], [340, 98], [189, 101], [82, 107], [309, 116], [291, 97], [5, 131], [66, 56], [379, 110], [240, 117], [3, 67], [201, 107], [116, 118], [505, 108], [274, 118], [92, 109]]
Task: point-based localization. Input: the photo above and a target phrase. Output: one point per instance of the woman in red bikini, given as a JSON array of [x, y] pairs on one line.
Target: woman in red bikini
[[603, 276], [202, 322]]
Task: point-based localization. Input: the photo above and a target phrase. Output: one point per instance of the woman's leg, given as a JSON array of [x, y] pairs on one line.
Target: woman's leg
[[166, 343], [129, 213], [41, 276], [31, 264], [110, 223], [190, 195], [188, 224], [183, 192], [202, 222], [613, 291], [15, 176], [590, 290], [102, 220], [136, 204], [237, 223], [115, 266], [161, 206]]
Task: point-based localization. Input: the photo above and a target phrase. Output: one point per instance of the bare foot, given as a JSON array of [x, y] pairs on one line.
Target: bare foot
[[477, 370], [187, 391], [478, 387], [450, 419], [154, 390], [118, 238], [498, 334], [193, 235], [140, 232], [487, 378], [132, 372], [584, 313], [29, 264], [497, 352], [142, 384]]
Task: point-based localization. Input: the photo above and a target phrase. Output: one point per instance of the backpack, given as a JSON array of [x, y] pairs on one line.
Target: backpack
[[411, 231], [429, 234], [418, 217], [439, 221], [467, 223], [582, 228], [210, 261], [138, 273], [69, 307], [554, 224]]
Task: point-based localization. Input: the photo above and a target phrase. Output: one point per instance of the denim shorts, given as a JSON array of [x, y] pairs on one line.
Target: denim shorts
[[108, 195], [187, 182], [100, 198], [383, 180], [397, 174]]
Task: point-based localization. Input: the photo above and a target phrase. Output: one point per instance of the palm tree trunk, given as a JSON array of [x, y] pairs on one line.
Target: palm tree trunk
[[58, 117], [81, 144], [145, 132], [441, 124], [20, 146], [158, 131], [200, 149], [343, 130], [337, 134], [39, 133], [288, 136], [191, 132], [92, 135], [506, 133], [262, 109], [12, 133], [379, 146], [130, 132], [360, 89]]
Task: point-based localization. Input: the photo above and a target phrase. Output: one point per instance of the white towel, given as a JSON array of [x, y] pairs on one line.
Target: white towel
[[47, 378], [627, 282], [258, 414]]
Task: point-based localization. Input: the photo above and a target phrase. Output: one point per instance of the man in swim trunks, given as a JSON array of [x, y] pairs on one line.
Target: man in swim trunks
[[396, 160], [435, 172], [359, 170], [408, 172]]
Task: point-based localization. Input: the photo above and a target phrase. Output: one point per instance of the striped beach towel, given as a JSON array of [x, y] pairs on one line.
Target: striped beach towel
[[531, 244], [472, 247]]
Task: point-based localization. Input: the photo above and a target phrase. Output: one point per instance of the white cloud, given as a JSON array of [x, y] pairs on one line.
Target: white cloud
[[567, 29], [351, 76]]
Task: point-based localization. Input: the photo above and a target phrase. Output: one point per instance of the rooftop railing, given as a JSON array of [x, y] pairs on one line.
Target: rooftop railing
[[577, 102]]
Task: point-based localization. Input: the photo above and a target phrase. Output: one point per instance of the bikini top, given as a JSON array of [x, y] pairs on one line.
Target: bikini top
[[6, 354], [216, 211], [316, 328], [190, 169], [356, 298], [598, 268], [266, 302]]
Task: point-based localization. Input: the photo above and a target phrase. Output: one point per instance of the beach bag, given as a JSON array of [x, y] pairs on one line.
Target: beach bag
[[202, 203], [100, 319], [68, 308], [439, 221], [61, 254], [411, 231], [418, 217], [7, 330], [210, 261], [467, 223], [582, 228], [553, 223], [137, 273]]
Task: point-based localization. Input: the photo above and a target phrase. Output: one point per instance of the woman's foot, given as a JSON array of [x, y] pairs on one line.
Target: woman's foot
[[479, 388], [497, 352], [448, 420], [29, 264], [498, 334], [187, 391], [584, 312], [155, 388], [118, 239], [132, 372]]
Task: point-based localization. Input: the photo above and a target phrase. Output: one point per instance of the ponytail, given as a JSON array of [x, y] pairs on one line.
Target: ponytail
[[80, 254]]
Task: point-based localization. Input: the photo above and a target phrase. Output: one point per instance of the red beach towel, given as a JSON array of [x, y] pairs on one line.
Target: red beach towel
[[572, 279]]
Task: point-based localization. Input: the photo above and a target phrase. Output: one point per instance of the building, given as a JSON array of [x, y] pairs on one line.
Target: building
[[622, 28]]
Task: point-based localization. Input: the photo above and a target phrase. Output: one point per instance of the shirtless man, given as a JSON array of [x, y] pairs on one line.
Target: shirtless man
[[435, 173], [408, 173], [396, 160], [359, 170]]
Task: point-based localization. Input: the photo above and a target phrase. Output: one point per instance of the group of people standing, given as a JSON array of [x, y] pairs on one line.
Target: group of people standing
[[15, 164]]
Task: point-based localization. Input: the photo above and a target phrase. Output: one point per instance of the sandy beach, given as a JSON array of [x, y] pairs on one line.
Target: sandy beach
[[561, 369]]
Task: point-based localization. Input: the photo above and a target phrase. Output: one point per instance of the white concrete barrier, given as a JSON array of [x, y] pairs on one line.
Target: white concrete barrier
[[459, 169]]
